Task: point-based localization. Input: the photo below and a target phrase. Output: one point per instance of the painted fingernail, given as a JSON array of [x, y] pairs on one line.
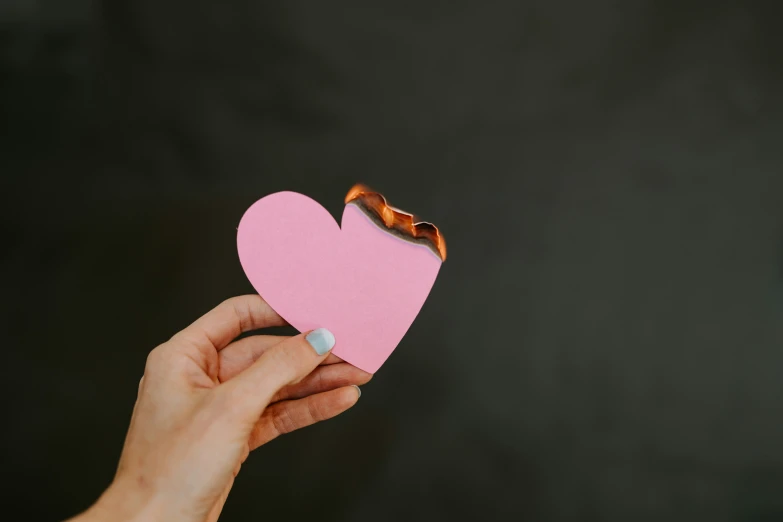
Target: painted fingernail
[[321, 340], [358, 390]]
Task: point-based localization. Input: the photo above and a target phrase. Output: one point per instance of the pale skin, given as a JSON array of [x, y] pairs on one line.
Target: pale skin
[[207, 400]]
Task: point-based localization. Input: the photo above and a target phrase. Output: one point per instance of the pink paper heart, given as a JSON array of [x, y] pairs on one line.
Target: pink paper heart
[[361, 282]]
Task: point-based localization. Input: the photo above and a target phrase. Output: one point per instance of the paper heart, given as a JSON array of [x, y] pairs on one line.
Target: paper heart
[[360, 281]]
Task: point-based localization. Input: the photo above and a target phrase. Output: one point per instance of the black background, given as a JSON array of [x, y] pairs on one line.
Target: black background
[[604, 341]]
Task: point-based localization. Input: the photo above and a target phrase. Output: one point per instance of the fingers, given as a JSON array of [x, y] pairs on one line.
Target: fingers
[[332, 359], [324, 378], [287, 416], [241, 354], [280, 365], [224, 323]]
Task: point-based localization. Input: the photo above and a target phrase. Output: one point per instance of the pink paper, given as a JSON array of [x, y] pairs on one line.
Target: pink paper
[[361, 282]]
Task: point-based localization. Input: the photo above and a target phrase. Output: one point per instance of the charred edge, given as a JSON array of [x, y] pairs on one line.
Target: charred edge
[[401, 225]]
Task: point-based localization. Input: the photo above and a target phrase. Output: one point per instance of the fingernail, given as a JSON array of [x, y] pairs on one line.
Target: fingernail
[[358, 390], [321, 340]]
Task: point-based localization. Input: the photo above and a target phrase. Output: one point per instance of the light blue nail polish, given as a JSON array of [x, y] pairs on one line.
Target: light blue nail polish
[[321, 340], [358, 390]]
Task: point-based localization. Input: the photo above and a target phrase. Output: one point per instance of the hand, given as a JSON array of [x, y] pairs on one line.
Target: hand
[[205, 401]]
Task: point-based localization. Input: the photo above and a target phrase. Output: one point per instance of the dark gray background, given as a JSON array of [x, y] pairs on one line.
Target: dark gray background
[[604, 341]]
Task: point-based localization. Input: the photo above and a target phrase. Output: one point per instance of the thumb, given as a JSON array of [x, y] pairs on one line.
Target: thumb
[[284, 364]]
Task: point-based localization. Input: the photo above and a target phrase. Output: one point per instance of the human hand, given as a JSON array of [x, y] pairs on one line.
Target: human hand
[[206, 400]]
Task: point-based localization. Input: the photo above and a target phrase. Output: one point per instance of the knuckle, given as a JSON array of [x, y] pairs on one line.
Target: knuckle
[[164, 359], [156, 358], [315, 413], [283, 422], [318, 380], [244, 313], [242, 309]]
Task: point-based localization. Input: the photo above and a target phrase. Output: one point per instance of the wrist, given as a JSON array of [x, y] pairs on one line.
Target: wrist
[[123, 502]]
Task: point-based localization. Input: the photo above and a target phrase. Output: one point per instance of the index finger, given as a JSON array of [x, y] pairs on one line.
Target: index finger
[[229, 319]]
